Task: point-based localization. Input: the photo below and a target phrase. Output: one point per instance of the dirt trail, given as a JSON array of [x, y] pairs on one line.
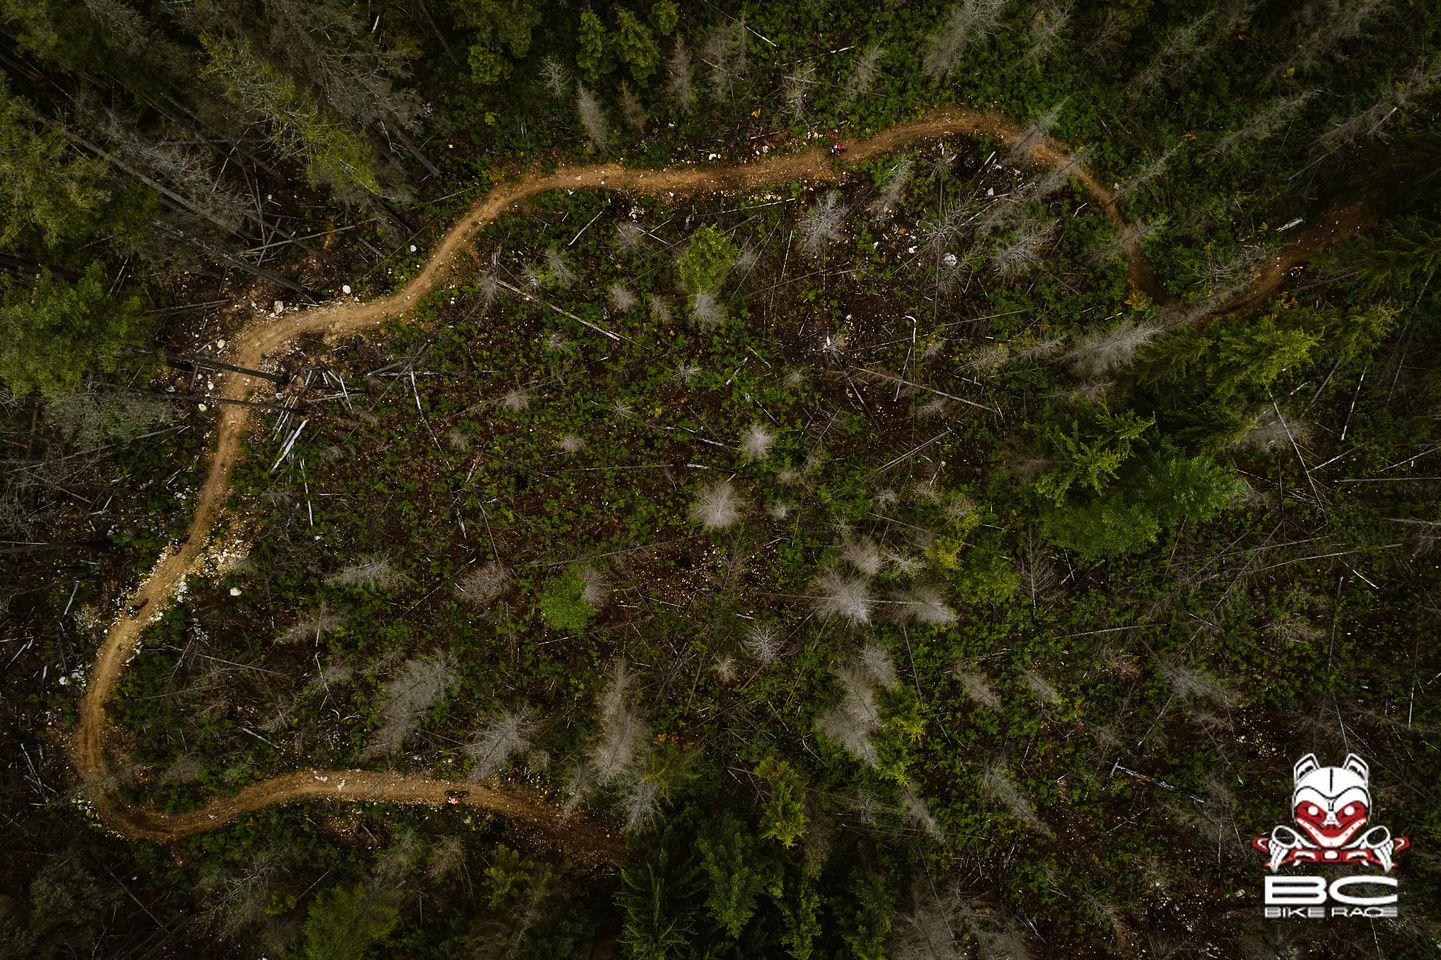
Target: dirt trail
[[265, 335], [1329, 228]]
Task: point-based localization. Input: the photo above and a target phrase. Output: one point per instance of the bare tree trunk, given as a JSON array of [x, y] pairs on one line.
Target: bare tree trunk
[[235, 261]]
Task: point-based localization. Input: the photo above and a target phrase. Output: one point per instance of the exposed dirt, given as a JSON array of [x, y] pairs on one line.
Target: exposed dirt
[[1332, 226], [266, 334]]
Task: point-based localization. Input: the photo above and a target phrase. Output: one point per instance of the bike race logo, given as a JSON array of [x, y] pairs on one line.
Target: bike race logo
[[1332, 807]]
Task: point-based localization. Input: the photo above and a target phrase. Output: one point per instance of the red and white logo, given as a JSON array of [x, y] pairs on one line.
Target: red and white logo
[[1332, 807]]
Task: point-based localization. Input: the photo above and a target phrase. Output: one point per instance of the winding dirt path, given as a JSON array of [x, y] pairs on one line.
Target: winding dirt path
[[265, 335]]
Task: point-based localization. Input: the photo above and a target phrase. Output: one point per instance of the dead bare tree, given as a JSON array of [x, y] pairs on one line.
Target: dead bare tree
[[1035, 136], [798, 87], [967, 23], [843, 596], [855, 719], [1107, 351], [998, 785], [889, 195], [725, 53], [1047, 27], [500, 739], [592, 117], [373, 573], [863, 74], [419, 685], [680, 78], [1327, 24], [1023, 250], [1265, 123], [557, 79], [1182, 49], [631, 109], [484, 584], [717, 507], [624, 738], [1147, 173], [821, 225], [1367, 122]]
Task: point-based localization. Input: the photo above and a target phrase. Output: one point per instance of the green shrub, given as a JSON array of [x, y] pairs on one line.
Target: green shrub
[[563, 604]]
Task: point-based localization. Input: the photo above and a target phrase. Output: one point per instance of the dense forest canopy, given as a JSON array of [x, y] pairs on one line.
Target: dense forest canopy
[[653, 480]]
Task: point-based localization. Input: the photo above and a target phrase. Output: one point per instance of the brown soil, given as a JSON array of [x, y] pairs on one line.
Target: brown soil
[[265, 335], [1331, 227]]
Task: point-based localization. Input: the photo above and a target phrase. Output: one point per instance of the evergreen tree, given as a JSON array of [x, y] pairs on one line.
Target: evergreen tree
[[902, 725], [500, 28], [331, 152], [1400, 259], [1254, 354], [1109, 527], [736, 872], [43, 187], [1091, 452], [343, 923], [783, 816], [800, 905], [635, 45], [865, 917], [590, 55], [54, 331], [658, 922], [707, 260]]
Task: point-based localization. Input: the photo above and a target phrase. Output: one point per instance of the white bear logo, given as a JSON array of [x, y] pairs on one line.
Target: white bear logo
[[1331, 805]]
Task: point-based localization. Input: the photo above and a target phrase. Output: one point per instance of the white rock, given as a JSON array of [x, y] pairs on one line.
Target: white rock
[[345, 288], [413, 248], [235, 591]]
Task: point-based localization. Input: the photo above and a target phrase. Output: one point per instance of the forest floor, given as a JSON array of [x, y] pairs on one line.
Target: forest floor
[[266, 334]]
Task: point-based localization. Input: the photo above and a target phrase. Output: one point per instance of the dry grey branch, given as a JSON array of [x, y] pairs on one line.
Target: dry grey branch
[[998, 785], [843, 597], [624, 734], [592, 117], [483, 585], [420, 685], [716, 507], [501, 739], [374, 573], [1103, 353]]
